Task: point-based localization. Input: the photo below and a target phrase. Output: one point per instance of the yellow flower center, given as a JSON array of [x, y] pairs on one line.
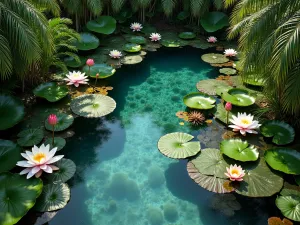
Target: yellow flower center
[[245, 121], [76, 75], [39, 156], [235, 171]]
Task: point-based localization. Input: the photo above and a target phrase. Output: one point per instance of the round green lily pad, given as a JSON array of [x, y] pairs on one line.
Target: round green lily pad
[[130, 47], [200, 43], [51, 91], [64, 121], [132, 59], [289, 207], [227, 71], [170, 43], [72, 63], [18, 196], [281, 132], [178, 145], [53, 197], [10, 154], [103, 70], [87, 42], [30, 137], [11, 111], [137, 40], [199, 100], [67, 169], [214, 21], [93, 105], [210, 86], [59, 143], [187, 35], [238, 97], [286, 191], [214, 58], [239, 150], [284, 159], [102, 25], [254, 81]]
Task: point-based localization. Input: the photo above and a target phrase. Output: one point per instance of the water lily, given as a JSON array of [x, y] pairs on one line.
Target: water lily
[[235, 173], [244, 123], [90, 62], [52, 120], [39, 160], [155, 37], [212, 39], [136, 27], [76, 78], [115, 54], [230, 52]]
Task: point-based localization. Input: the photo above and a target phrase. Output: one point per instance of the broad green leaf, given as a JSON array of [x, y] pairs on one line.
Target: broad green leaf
[[103, 70], [30, 137], [87, 42], [51, 91], [238, 97], [214, 21], [289, 207], [10, 154], [102, 25], [199, 100], [64, 121]]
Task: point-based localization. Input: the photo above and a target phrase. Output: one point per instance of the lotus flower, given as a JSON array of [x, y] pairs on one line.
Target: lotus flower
[[244, 123], [155, 37], [212, 39], [115, 54], [230, 52], [76, 78], [90, 62], [39, 160], [136, 27], [235, 173]]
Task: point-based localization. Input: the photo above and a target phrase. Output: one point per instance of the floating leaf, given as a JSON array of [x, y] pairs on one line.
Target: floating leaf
[[253, 80], [289, 206], [221, 113], [238, 97], [132, 59], [10, 154], [130, 47], [199, 100], [71, 62], [87, 42], [210, 86], [67, 169], [59, 143], [228, 71], [137, 40], [170, 43], [200, 43], [51, 91], [214, 58], [103, 70], [64, 121], [187, 35], [102, 25], [30, 137], [214, 21]]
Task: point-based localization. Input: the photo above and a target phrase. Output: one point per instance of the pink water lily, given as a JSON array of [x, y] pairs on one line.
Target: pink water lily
[[230, 52], [244, 123], [212, 39], [136, 27], [39, 160], [76, 78], [90, 62], [155, 37], [235, 173]]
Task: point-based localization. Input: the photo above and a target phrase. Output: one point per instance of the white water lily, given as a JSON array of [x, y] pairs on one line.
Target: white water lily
[[230, 52], [244, 123], [76, 78], [115, 54], [155, 37], [39, 160], [136, 27]]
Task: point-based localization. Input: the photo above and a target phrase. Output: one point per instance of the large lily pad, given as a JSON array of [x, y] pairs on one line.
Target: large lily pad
[[130, 47], [289, 206], [239, 150], [210, 86], [178, 145], [171, 43], [132, 59], [227, 71], [199, 100], [71, 62], [214, 21], [238, 97], [18, 195], [200, 43], [64, 121], [102, 25], [187, 35], [253, 80], [59, 143], [67, 169], [284, 159], [213, 58], [30, 137], [53, 197], [51, 91], [87, 42], [281, 132], [10, 154], [103, 70], [138, 40], [93, 105], [11, 111]]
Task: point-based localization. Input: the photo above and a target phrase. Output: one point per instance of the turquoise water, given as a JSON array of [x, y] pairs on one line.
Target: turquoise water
[[122, 179]]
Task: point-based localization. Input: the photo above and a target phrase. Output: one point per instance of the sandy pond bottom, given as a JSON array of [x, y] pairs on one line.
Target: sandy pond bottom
[[122, 179]]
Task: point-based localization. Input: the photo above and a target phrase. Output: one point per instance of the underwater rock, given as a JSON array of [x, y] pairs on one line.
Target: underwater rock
[[154, 216], [170, 212], [156, 177], [132, 191]]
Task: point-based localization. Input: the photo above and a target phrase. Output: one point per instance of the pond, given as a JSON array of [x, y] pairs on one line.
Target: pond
[[122, 178]]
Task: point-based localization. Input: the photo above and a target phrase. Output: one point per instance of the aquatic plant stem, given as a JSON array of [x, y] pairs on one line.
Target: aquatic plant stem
[[227, 119], [53, 136]]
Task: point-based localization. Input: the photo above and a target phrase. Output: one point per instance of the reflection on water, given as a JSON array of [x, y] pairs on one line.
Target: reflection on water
[[122, 179]]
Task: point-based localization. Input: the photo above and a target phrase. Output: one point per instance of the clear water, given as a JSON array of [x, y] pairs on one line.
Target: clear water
[[122, 179]]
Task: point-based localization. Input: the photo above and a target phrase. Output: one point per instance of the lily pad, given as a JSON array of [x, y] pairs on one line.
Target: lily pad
[[199, 100], [239, 150], [221, 113], [53, 197], [213, 58], [238, 97], [102, 25], [148, 29], [132, 59], [64, 121], [228, 71], [178, 145], [87, 42], [72, 63], [281, 132], [67, 169], [51, 91], [18, 195], [170, 43], [30, 137], [130, 47], [253, 80], [187, 35], [214, 21], [11, 111], [289, 206], [210, 86], [93, 105], [200, 43], [10, 154], [137, 40], [284, 159], [103, 70], [59, 143]]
